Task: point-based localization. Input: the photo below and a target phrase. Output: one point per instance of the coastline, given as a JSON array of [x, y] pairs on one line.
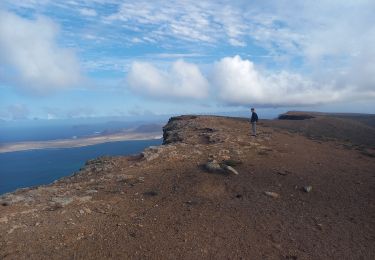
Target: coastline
[[79, 142]]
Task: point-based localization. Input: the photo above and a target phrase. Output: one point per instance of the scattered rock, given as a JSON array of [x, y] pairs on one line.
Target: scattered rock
[[84, 198], [262, 152], [10, 231], [197, 152], [91, 191], [124, 177], [54, 206], [319, 226], [223, 152], [154, 152], [4, 220], [272, 194], [63, 201], [283, 173], [11, 199], [151, 193], [307, 188], [5, 203], [150, 156]]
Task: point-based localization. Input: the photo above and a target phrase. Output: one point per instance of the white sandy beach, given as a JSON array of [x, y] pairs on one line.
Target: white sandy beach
[[79, 142]]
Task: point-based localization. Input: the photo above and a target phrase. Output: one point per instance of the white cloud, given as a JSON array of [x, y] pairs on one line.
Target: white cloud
[[236, 81], [181, 80], [31, 57], [192, 21], [88, 12], [331, 43], [175, 55], [238, 43], [239, 82]]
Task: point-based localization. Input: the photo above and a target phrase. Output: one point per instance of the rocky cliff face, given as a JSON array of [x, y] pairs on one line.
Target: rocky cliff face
[[211, 191]]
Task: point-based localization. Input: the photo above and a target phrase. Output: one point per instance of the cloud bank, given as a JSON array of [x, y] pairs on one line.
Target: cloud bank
[[181, 80], [316, 51], [237, 81], [31, 59]]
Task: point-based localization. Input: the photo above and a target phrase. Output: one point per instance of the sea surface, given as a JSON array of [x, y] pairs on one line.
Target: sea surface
[[36, 167], [43, 131]]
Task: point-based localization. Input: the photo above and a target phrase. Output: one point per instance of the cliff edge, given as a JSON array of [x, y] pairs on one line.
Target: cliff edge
[[211, 191]]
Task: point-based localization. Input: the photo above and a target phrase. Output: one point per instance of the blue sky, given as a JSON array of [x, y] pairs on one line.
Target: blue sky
[[64, 59]]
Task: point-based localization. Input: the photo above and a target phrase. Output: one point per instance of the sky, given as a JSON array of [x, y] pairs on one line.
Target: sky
[[95, 58]]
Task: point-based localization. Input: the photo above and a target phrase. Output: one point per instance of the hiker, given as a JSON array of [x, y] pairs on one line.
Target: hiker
[[253, 121]]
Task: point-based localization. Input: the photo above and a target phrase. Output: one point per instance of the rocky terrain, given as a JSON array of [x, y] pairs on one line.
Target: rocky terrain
[[211, 191], [356, 130]]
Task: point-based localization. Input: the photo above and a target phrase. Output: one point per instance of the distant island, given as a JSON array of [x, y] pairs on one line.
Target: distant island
[[79, 142]]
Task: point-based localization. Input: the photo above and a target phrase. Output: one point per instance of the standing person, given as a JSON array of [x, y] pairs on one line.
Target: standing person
[[254, 120]]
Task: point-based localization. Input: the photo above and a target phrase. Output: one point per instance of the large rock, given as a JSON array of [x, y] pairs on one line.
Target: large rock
[[213, 166]]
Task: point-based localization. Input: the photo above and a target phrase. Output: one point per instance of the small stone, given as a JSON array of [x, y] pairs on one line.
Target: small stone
[[4, 220], [81, 211], [307, 188], [80, 236], [91, 191], [63, 201], [84, 198], [124, 177], [230, 169], [272, 194], [213, 166], [320, 226], [11, 199], [225, 157], [283, 173], [151, 193], [10, 231]]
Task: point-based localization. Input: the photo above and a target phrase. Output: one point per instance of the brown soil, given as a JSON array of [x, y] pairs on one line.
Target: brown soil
[[355, 129], [163, 204]]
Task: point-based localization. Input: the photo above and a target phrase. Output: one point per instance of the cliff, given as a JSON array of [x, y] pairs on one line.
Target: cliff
[[293, 198]]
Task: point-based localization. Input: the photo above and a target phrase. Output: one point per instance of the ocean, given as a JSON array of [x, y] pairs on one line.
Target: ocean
[[37, 167]]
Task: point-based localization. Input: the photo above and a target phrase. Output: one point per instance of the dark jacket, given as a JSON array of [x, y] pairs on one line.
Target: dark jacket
[[254, 117]]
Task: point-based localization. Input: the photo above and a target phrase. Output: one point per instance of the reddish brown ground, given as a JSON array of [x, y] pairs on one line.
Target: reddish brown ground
[[165, 205]]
